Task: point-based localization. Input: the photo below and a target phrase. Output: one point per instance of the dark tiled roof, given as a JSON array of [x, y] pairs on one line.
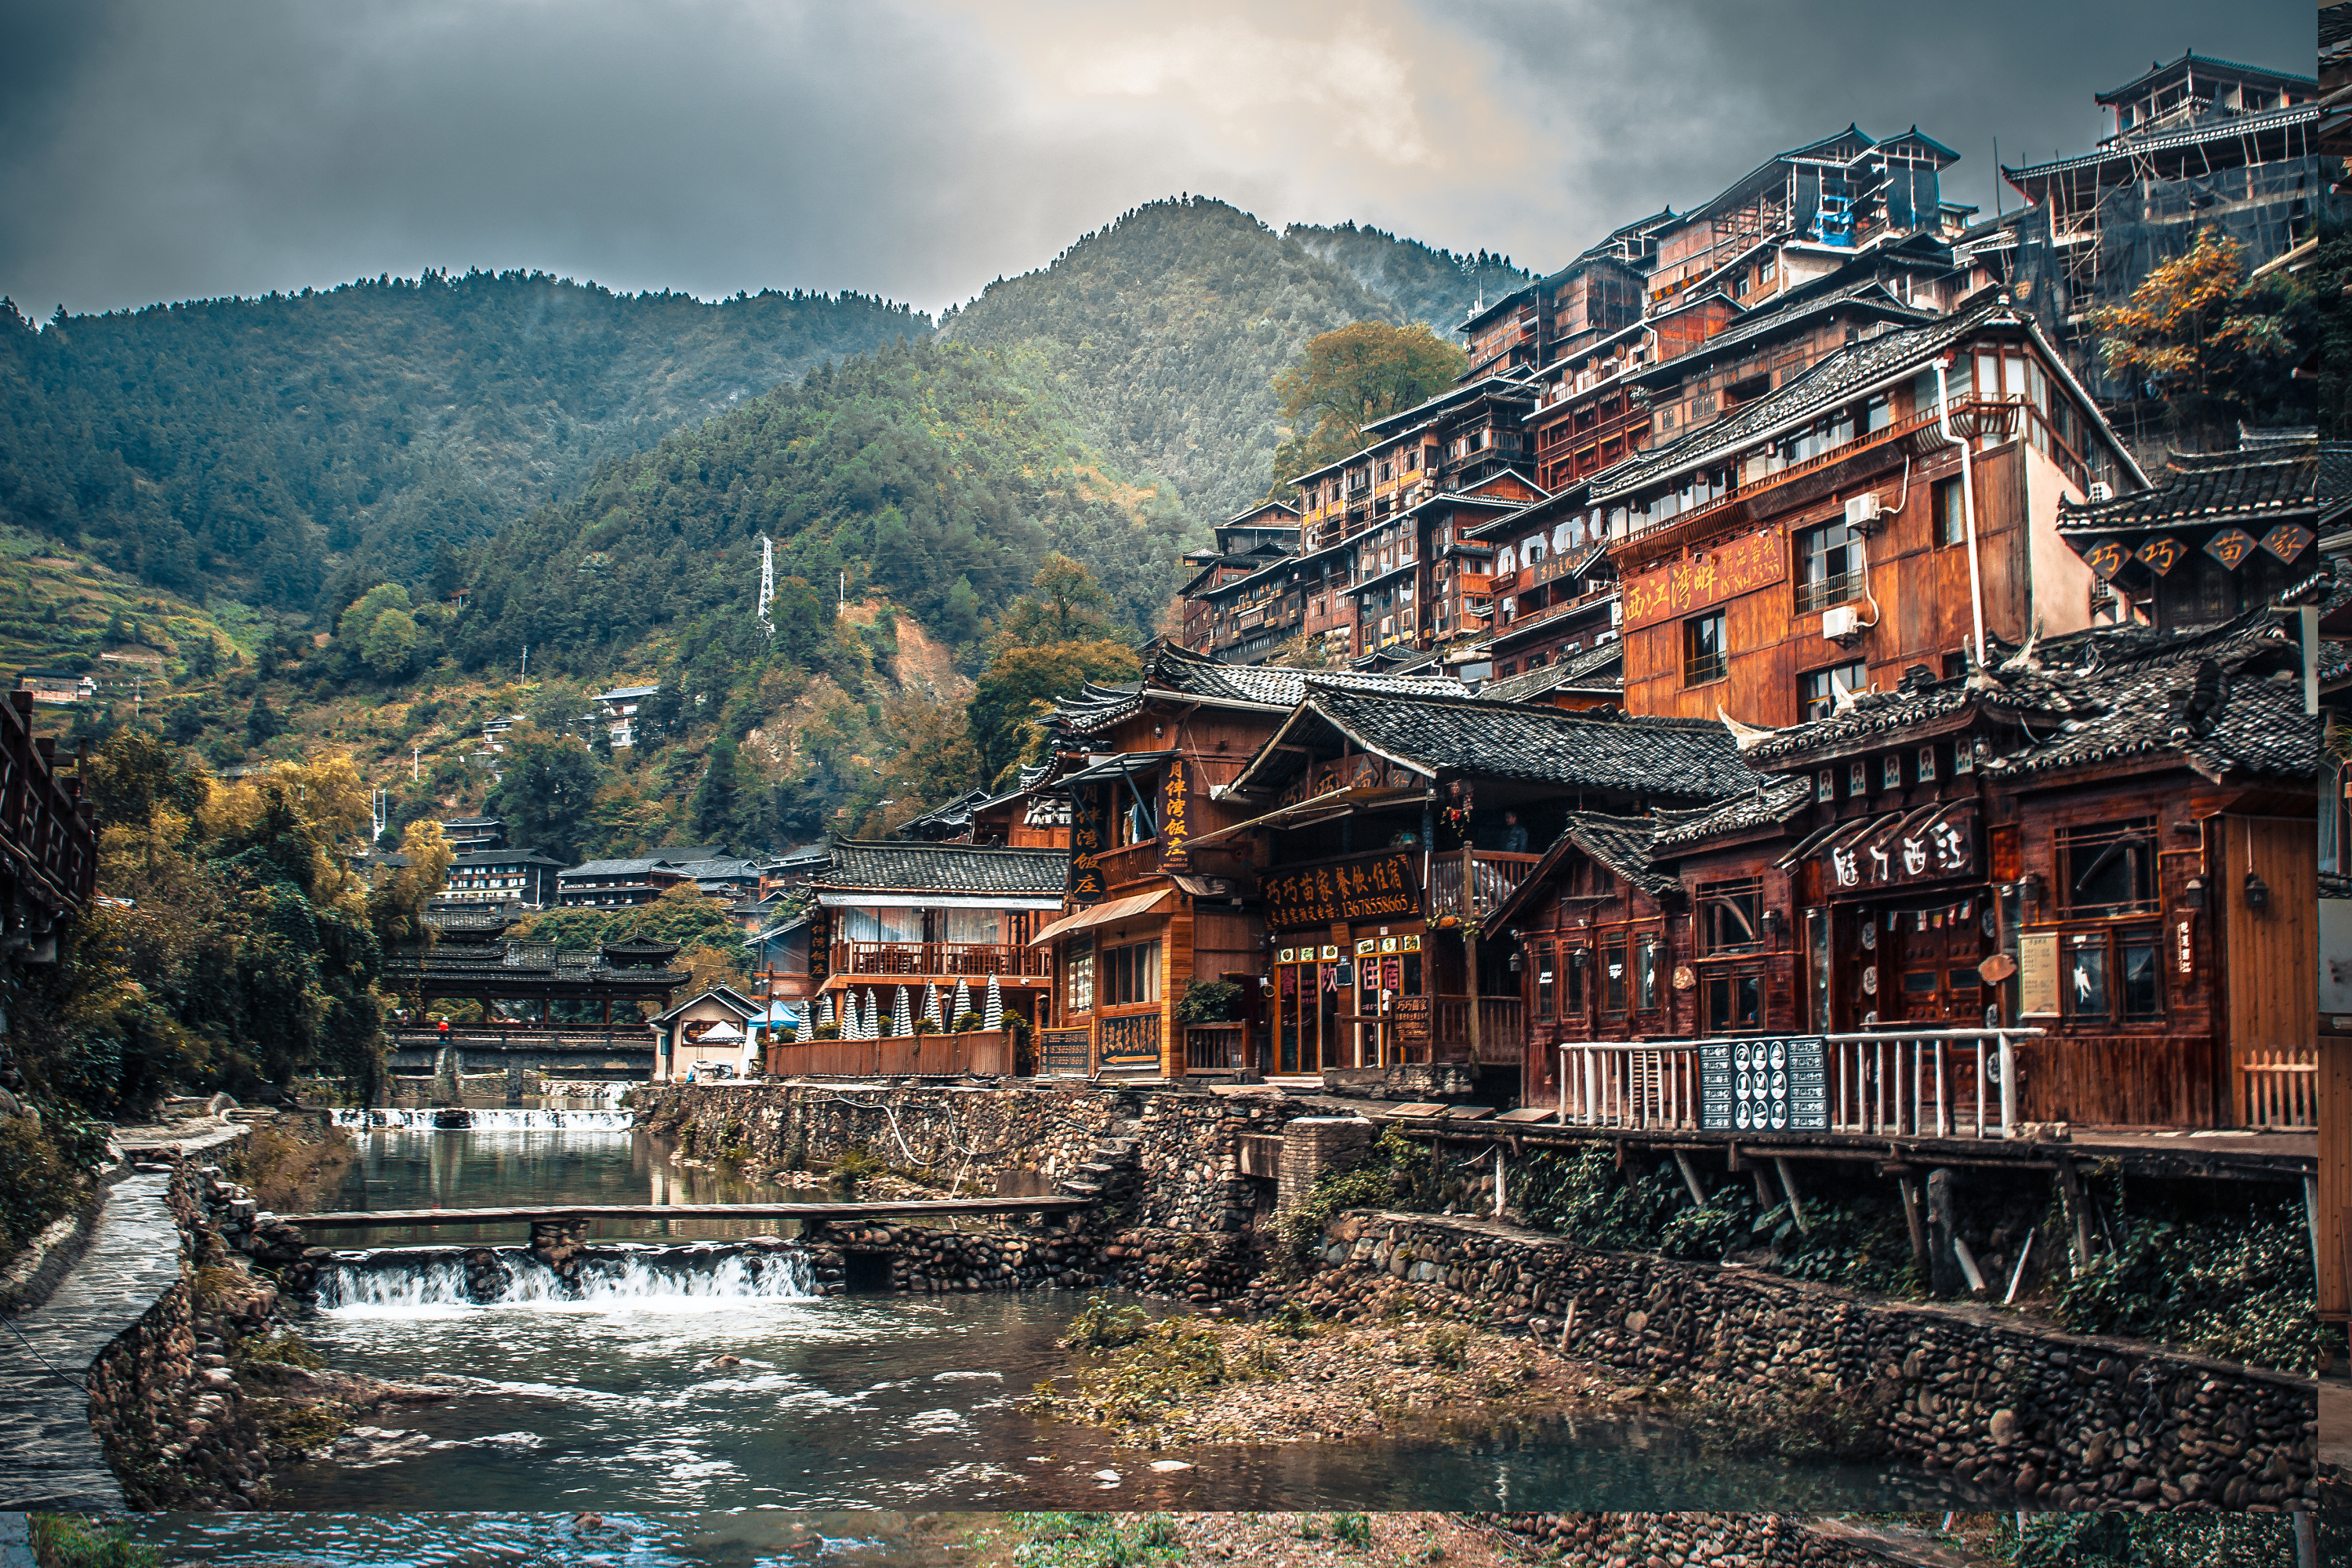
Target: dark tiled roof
[[1178, 673], [639, 867], [2257, 489], [1770, 806], [1779, 315], [1595, 669], [947, 869], [501, 858], [2228, 698], [1621, 843], [1832, 380], [1509, 741]]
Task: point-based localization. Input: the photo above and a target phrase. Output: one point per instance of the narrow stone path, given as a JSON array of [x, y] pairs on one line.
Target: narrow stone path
[[49, 1457]]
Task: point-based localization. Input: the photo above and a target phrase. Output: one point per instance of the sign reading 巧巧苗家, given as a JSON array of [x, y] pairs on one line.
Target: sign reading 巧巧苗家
[[1772, 1084], [1369, 887], [1726, 572]]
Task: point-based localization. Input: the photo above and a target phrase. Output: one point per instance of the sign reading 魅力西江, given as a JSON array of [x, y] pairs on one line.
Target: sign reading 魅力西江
[[1366, 888]]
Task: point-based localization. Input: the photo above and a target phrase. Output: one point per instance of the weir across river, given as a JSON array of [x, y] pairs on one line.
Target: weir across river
[[560, 1213]]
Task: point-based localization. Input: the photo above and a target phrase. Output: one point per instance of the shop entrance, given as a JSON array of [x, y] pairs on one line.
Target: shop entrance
[[1308, 998], [1919, 964]]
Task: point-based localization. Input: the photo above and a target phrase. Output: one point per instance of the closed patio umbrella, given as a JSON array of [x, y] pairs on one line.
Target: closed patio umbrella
[[992, 1017], [901, 1019], [932, 1006], [963, 1002]]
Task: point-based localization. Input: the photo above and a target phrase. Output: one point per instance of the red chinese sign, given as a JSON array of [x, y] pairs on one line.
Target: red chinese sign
[[1724, 571]]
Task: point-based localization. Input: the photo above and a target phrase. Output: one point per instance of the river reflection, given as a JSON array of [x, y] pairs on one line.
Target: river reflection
[[420, 1170]]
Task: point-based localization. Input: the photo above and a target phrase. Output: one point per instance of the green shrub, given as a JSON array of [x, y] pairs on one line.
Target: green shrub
[[285, 1349], [1395, 1174], [39, 1182], [2153, 1541], [855, 1166], [2226, 1275], [967, 1022], [1207, 1002], [1101, 1326], [66, 1541], [1353, 1531]]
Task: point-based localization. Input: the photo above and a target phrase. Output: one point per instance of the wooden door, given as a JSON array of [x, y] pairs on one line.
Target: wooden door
[[2272, 964]]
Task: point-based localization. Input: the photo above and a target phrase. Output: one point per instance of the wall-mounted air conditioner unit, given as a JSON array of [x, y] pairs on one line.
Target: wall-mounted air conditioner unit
[[1841, 625], [2102, 490], [1863, 512]]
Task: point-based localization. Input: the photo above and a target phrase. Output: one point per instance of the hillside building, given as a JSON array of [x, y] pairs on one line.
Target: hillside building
[[502, 876]]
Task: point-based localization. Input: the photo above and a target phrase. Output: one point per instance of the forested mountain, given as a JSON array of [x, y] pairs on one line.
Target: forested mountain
[[1433, 286], [1166, 329], [265, 448], [931, 471]]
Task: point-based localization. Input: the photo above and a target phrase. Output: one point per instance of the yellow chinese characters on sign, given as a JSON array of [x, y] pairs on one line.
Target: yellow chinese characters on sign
[[1724, 571]]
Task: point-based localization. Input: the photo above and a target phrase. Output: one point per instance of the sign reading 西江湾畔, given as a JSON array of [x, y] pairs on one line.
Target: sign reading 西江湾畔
[[1727, 571], [1366, 888], [1771, 1084]]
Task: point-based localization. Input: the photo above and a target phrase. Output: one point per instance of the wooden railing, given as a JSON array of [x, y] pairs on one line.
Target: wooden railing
[[524, 1038], [1129, 1040], [1502, 1026], [1130, 862], [1992, 415], [981, 1052], [1941, 1083], [44, 825], [919, 960], [1492, 874], [1216, 1048], [2277, 1086]]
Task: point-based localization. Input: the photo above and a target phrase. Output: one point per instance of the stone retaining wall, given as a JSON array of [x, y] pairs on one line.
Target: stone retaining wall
[[125, 1399], [987, 1133], [1716, 1541], [2065, 1420]]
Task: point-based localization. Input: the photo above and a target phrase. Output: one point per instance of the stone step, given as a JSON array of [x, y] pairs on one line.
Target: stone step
[[1082, 1189], [1097, 1168]]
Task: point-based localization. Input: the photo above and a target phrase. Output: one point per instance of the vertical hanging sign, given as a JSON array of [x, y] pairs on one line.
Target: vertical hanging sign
[[1175, 818], [820, 960], [1086, 884]]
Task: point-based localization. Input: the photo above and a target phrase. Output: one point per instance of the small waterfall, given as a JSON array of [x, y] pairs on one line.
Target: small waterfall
[[428, 1119], [394, 1281]]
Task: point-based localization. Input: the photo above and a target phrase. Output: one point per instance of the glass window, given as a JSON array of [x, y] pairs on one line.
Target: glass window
[[1649, 958], [1946, 508], [2086, 968], [1703, 653], [2108, 869], [1829, 567], [1574, 962], [2139, 958], [1817, 691], [1730, 916], [1546, 996], [1131, 974], [1612, 978], [1079, 976], [975, 925], [1734, 1001]]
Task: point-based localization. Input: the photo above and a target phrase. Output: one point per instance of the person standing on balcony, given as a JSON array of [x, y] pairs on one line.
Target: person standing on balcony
[[1514, 834]]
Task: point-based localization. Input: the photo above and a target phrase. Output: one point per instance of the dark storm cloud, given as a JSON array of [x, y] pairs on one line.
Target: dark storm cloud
[[1664, 103], [154, 148]]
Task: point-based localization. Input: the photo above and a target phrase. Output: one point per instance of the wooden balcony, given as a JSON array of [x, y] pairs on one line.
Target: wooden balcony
[[1502, 1029], [46, 826], [1492, 874], [913, 960]]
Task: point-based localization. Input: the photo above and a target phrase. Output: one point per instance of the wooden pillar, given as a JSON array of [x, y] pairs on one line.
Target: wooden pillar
[[2331, 1196], [1470, 943]]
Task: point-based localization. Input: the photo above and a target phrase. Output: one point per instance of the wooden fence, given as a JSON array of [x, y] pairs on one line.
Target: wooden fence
[[980, 1052]]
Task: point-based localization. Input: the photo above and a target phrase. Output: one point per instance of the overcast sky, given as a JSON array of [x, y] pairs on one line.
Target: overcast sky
[[172, 149]]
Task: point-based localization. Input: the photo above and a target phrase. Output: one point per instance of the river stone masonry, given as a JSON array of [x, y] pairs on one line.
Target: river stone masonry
[[2069, 1421], [1730, 1539]]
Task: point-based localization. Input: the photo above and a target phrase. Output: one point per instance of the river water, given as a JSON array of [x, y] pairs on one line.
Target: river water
[[621, 1401]]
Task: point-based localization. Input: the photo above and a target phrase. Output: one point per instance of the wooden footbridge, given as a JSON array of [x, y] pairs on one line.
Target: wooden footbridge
[[572, 1214]]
